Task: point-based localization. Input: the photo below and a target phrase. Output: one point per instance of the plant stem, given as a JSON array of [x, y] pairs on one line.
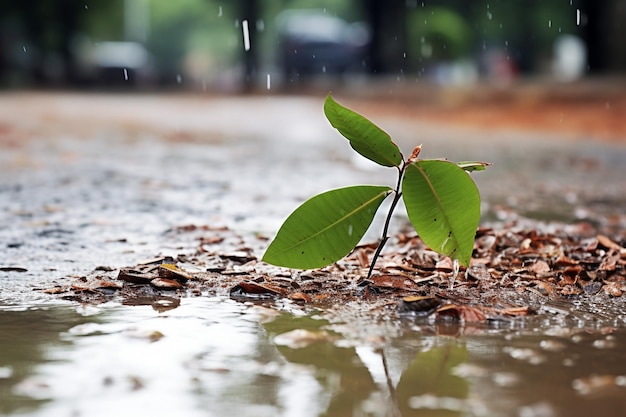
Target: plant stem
[[385, 236]]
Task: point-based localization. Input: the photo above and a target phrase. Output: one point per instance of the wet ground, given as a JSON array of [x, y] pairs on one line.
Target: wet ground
[[93, 183]]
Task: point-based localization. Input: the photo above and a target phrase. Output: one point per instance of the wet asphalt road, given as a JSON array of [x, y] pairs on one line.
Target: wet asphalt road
[[89, 180]]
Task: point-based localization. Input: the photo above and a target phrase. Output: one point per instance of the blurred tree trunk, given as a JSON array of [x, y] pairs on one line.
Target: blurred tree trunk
[[604, 33], [596, 34], [387, 20], [249, 11], [67, 14]]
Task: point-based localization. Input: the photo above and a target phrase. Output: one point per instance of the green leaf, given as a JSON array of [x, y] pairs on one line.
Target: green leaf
[[326, 227], [471, 166], [365, 137], [443, 204]]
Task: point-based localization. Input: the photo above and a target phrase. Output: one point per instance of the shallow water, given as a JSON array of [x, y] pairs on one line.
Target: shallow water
[[216, 357]]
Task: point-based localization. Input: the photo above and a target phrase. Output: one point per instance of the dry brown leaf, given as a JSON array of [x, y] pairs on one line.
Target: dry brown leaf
[[540, 267], [607, 242], [398, 282]]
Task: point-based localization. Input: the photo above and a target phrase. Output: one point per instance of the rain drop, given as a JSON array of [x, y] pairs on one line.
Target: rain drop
[[125, 74], [219, 12], [86, 7], [350, 230], [577, 17], [549, 23], [455, 273], [268, 81], [246, 35], [24, 48], [179, 78]]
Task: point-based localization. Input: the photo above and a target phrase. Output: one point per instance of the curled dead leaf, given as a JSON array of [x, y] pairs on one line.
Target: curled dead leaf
[[614, 289], [249, 288], [419, 305], [166, 284], [300, 297], [399, 282], [171, 271], [608, 243], [468, 314], [540, 267], [136, 277]]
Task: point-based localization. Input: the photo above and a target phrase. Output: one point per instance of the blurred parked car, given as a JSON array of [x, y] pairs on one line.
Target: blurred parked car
[[116, 64], [313, 42]]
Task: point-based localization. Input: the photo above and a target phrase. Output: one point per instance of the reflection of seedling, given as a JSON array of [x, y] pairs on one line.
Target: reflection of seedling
[[441, 200]]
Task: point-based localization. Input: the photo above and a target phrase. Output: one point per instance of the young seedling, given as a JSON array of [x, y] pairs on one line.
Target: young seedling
[[441, 200]]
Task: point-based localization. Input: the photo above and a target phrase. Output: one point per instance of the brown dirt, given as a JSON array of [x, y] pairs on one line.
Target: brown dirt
[[586, 110], [514, 272]]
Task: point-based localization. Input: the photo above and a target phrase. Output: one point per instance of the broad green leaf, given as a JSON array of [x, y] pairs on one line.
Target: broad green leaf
[[326, 227], [443, 204], [471, 166], [365, 137]]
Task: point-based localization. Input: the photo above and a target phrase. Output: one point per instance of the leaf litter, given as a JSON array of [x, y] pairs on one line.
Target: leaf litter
[[515, 271]]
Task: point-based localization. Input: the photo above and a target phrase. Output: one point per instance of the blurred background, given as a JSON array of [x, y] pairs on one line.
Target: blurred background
[[259, 45]]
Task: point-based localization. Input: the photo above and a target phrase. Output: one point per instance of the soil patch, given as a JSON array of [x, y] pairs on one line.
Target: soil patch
[[514, 272]]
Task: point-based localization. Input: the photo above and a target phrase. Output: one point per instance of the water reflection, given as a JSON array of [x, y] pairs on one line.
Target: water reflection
[[216, 357], [26, 337]]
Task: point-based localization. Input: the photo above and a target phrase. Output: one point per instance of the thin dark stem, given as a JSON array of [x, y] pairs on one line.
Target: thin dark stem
[[385, 236], [393, 400]]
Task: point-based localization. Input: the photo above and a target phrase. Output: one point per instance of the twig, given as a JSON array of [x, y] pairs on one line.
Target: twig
[[385, 236]]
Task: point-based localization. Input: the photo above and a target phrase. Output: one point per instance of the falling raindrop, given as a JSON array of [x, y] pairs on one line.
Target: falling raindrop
[[24, 48], [577, 17], [550, 23], [125, 74], [219, 12], [260, 25], [246, 35], [86, 7], [489, 15], [323, 67], [179, 78], [455, 272], [350, 230], [268, 81]]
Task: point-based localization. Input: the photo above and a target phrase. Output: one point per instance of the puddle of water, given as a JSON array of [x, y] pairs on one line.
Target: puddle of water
[[215, 357]]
